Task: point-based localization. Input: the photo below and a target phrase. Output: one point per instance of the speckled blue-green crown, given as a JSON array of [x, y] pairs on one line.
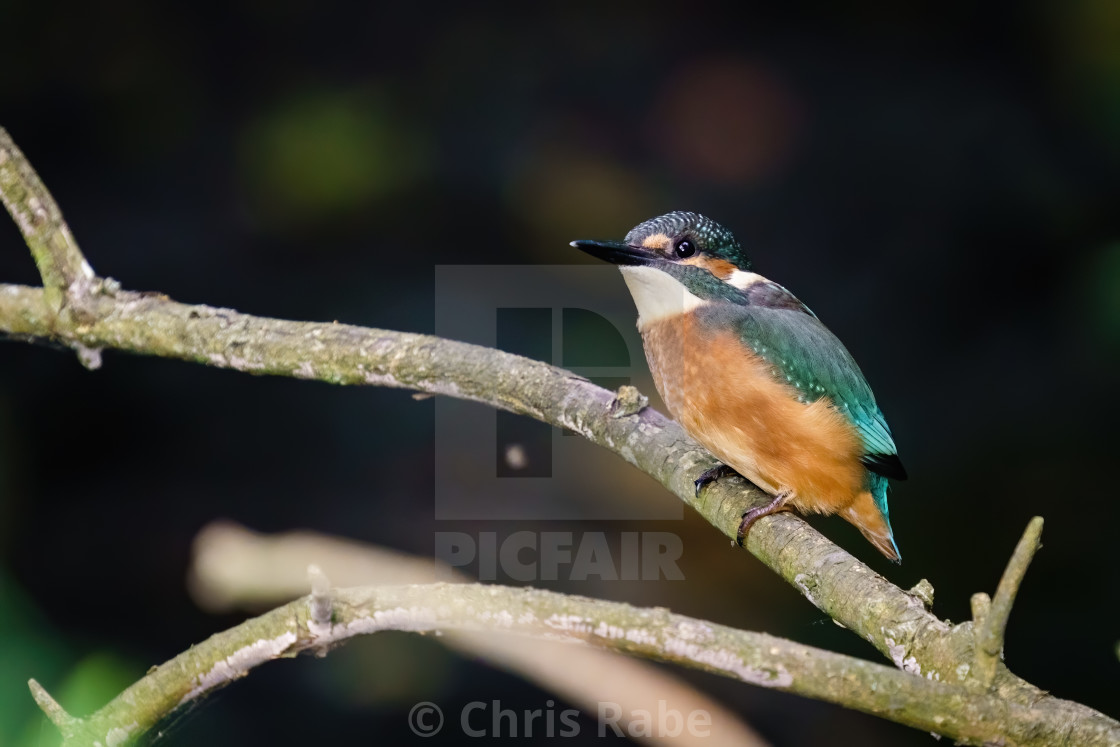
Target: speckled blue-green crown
[[709, 235]]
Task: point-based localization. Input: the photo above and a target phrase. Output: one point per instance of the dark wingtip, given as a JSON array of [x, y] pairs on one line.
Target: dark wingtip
[[887, 465]]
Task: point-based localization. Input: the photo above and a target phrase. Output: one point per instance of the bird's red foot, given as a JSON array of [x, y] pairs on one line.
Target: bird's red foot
[[712, 475], [750, 517]]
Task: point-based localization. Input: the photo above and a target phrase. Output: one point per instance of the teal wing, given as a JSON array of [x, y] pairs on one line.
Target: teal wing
[[806, 354]]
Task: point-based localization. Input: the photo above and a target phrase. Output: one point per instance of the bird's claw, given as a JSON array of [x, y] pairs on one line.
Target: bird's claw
[[750, 517], [711, 475]]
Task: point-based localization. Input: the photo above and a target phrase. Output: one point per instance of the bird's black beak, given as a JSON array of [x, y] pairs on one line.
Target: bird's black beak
[[617, 252]]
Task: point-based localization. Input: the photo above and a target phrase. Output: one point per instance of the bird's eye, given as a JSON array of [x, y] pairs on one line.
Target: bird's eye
[[684, 248]]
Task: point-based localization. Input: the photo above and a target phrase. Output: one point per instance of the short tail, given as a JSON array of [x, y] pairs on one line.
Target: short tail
[[870, 516]]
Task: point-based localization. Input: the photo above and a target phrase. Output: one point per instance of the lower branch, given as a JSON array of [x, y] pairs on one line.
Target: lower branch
[[233, 568], [755, 658]]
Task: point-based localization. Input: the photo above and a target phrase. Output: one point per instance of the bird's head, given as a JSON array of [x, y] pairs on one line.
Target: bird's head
[[681, 238], [677, 261]]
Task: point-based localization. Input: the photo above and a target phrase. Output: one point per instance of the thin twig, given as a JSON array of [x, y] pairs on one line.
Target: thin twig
[[991, 624], [63, 268], [56, 713]]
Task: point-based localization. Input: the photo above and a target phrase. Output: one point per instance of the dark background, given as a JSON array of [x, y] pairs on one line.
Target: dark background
[[938, 182]]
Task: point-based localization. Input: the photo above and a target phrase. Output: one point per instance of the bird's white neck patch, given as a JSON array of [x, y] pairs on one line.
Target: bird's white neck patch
[[658, 295], [742, 280]]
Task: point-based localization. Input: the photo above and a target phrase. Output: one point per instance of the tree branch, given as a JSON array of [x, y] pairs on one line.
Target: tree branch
[[656, 633], [233, 568], [894, 621]]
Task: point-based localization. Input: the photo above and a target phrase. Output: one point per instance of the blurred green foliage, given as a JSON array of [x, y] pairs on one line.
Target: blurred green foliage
[[1101, 304], [319, 155], [29, 645]]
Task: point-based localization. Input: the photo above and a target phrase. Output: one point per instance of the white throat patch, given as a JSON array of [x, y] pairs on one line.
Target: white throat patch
[[658, 295]]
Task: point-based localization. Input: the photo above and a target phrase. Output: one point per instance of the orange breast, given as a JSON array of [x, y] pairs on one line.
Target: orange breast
[[724, 396]]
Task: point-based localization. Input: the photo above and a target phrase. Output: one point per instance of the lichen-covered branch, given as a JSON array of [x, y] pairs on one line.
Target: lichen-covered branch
[[233, 568], [656, 633], [94, 314]]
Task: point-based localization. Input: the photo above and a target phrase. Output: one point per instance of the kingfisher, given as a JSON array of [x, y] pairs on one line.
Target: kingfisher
[[754, 376]]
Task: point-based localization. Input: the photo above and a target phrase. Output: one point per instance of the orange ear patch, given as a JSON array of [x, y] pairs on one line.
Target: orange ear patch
[[721, 268]]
